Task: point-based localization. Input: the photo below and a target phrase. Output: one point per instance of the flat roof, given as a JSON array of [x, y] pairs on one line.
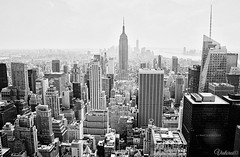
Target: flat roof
[[150, 71], [230, 99], [217, 100]]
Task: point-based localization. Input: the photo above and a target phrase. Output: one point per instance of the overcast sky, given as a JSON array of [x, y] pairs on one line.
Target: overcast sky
[[98, 23]]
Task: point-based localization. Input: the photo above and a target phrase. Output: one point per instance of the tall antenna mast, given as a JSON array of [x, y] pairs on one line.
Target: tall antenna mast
[[210, 33]]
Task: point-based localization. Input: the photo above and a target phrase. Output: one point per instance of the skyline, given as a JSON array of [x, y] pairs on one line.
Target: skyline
[[97, 24]]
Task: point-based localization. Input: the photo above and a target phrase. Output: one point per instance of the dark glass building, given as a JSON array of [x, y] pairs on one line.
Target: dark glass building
[[3, 76], [32, 76], [205, 124], [193, 78]]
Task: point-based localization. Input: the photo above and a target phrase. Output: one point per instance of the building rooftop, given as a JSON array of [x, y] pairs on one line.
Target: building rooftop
[[150, 71], [217, 100], [164, 136], [222, 85]]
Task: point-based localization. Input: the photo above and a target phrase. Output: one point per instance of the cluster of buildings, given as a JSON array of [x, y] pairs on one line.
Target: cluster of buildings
[[103, 109]]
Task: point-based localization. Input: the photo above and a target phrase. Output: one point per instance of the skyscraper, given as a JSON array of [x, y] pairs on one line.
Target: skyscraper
[[75, 73], [205, 124], [44, 124], [52, 100], [95, 85], [20, 79], [3, 76], [111, 69], [179, 89], [159, 61], [214, 68], [123, 55], [233, 78], [232, 61], [32, 76], [193, 78], [150, 100], [56, 65], [175, 64], [41, 88]]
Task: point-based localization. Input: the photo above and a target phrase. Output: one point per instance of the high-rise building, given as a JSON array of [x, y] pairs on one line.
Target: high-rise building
[[57, 79], [20, 79], [75, 73], [237, 142], [232, 61], [41, 89], [159, 61], [150, 96], [175, 64], [95, 85], [8, 112], [44, 124], [52, 100], [205, 124], [155, 63], [123, 56], [3, 76], [179, 89], [220, 89], [193, 78], [32, 76], [233, 78], [214, 69], [111, 66], [77, 90], [234, 117], [26, 130], [65, 69], [106, 86], [56, 65]]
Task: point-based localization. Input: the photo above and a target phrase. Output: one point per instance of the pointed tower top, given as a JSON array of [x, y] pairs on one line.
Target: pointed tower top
[[210, 32], [123, 26]]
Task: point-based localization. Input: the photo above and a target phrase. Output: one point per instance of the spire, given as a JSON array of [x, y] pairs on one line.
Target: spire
[[210, 32], [123, 26]]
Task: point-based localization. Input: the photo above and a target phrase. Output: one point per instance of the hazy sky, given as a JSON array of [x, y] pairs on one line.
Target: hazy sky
[[98, 23]]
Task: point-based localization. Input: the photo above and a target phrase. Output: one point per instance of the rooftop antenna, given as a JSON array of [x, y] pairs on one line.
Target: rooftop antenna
[[210, 33]]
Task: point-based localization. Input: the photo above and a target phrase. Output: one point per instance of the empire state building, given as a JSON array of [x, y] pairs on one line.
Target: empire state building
[[123, 56]]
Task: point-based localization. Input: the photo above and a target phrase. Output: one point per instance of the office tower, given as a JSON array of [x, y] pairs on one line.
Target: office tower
[[65, 69], [41, 88], [220, 89], [34, 101], [150, 96], [123, 55], [3, 139], [44, 124], [95, 85], [20, 79], [75, 73], [56, 65], [214, 69], [32, 76], [237, 142], [106, 86], [3, 76], [59, 129], [79, 110], [205, 124], [155, 65], [77, 90], [22, 107], [193, 78], [77, 147], [96, 123], [159, 61], [175, 64], [75, 131], [66, 99], [233, 78], [52, 100], [179, 89], [103, 101], [50, 150], [8, 112], [234, 117], [57, 79], [111, 66], [26, 130], [208, 44], [232, 61]]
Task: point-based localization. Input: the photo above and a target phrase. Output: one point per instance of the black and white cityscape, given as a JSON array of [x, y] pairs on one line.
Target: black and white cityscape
[[109, 78]]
